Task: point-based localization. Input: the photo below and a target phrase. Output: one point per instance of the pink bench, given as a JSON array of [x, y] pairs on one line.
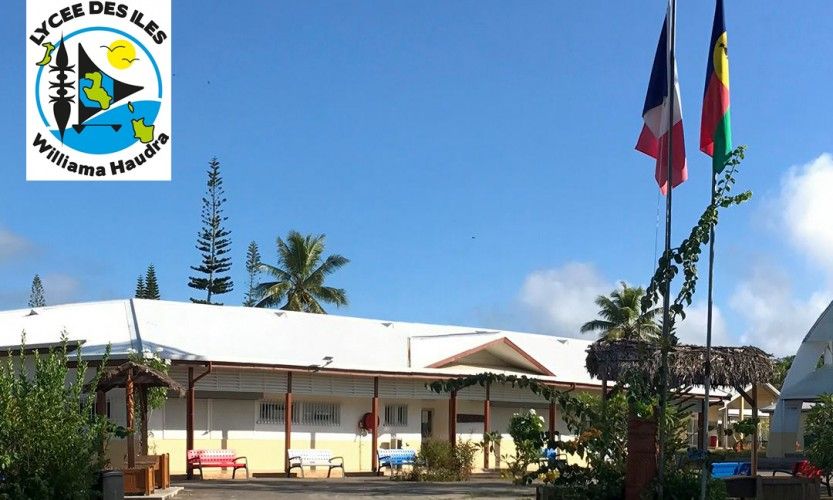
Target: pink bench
[[198, 459]]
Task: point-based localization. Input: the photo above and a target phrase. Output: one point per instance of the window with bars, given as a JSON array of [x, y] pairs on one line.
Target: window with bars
[[321, 414], [303, 412], [271, 412], [396, 415]]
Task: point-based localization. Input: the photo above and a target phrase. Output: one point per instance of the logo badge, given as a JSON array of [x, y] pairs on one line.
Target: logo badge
[[98, 90]]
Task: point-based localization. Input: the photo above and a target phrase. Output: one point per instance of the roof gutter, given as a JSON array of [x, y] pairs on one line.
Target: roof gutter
[[352, 372]]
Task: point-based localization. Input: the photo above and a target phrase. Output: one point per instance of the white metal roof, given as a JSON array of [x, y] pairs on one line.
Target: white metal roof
[[234, 334]]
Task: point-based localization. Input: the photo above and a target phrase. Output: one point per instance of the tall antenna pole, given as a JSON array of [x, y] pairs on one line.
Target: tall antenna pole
[[666, 293]]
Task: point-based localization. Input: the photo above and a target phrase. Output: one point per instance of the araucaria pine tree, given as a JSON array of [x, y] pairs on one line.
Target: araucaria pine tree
[[151, 285], [252, 269], [213, 242], [140, 287], [36, 296]]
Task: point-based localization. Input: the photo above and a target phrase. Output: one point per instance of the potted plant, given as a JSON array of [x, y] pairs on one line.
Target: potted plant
[[742, 429]]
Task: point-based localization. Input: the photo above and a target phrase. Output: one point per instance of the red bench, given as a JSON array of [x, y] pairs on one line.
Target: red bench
[[804, 468], [198, 459]]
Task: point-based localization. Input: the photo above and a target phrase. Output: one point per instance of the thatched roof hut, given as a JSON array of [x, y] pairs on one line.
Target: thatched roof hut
[[140, 375], [731, 366]]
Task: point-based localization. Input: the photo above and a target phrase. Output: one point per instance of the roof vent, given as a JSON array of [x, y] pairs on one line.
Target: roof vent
[[563, 341], [280, 314], [387, 323], [32, 312]]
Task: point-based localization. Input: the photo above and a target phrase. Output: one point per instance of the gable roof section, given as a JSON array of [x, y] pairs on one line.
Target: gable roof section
[[501, 349]]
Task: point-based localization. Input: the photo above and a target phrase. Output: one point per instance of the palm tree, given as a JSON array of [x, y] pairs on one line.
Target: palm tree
[[299, 276], [621, 316]]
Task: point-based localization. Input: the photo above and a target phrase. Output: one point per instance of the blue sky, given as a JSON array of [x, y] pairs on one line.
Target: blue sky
[[474, 160]]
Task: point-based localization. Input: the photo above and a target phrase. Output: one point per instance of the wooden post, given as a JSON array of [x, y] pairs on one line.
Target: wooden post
[[604, 388], [641, 461], [701, 428], [725, 438], [101, 403], [452, 419], [487, 423], [754, 461], [287, 422], [143, 408], [374, 440], [189, 422], [131, 408]]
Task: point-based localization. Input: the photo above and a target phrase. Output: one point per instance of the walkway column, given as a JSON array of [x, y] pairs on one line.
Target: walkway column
[[287, 422], [131, 408], [189, 422], [552, 420], [374, 442], [487, 423], [452, 419], [755, 434]]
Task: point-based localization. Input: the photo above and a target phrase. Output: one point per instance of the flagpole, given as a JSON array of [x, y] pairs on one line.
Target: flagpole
[[666, 300], [708, 377]]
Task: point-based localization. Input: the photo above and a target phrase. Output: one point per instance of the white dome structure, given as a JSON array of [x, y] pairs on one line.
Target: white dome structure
[[805, 381]]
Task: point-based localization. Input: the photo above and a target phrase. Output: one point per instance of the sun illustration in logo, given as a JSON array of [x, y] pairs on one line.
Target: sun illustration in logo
[[121, 54]]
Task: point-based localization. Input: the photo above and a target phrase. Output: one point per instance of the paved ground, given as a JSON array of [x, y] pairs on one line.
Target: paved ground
[[365, 487]]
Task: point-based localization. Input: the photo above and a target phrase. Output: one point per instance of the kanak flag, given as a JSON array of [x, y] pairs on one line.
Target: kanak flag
[[716, 125], [655, 139]]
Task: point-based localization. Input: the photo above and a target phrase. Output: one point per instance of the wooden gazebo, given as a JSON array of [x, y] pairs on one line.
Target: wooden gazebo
[[133, 377], [731, 367]]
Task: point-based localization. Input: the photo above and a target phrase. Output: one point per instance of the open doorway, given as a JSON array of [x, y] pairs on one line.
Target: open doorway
[[427, 423]]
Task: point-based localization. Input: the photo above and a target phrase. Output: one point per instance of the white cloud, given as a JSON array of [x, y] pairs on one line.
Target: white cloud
[[13, 245], [776, 320], [806, 205], [692, 330], [560, 300], [60, 288], [774, 315]]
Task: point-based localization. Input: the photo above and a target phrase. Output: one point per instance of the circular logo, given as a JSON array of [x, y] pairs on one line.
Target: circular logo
[[99, 91]]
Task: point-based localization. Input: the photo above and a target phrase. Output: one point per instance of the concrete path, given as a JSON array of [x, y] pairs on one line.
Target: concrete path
[[262, 489]]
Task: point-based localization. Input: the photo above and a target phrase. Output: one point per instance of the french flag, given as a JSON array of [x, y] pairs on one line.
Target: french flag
[[654, 139]]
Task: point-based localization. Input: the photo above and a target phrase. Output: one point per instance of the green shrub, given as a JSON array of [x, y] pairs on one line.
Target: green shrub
[[527, 431], [684, 484], [51, 442], [820, 430], [437, 460]]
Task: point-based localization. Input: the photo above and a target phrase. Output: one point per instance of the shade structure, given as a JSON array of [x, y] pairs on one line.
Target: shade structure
[[134, 376], [735, 367], [731, 366], [140, 375]]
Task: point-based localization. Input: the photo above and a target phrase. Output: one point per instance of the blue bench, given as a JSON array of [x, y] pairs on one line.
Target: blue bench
[[550, 456], [391, 458], [729, 469]]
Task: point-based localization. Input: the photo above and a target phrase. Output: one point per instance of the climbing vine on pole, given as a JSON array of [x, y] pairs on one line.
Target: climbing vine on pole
[[687, 255]]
